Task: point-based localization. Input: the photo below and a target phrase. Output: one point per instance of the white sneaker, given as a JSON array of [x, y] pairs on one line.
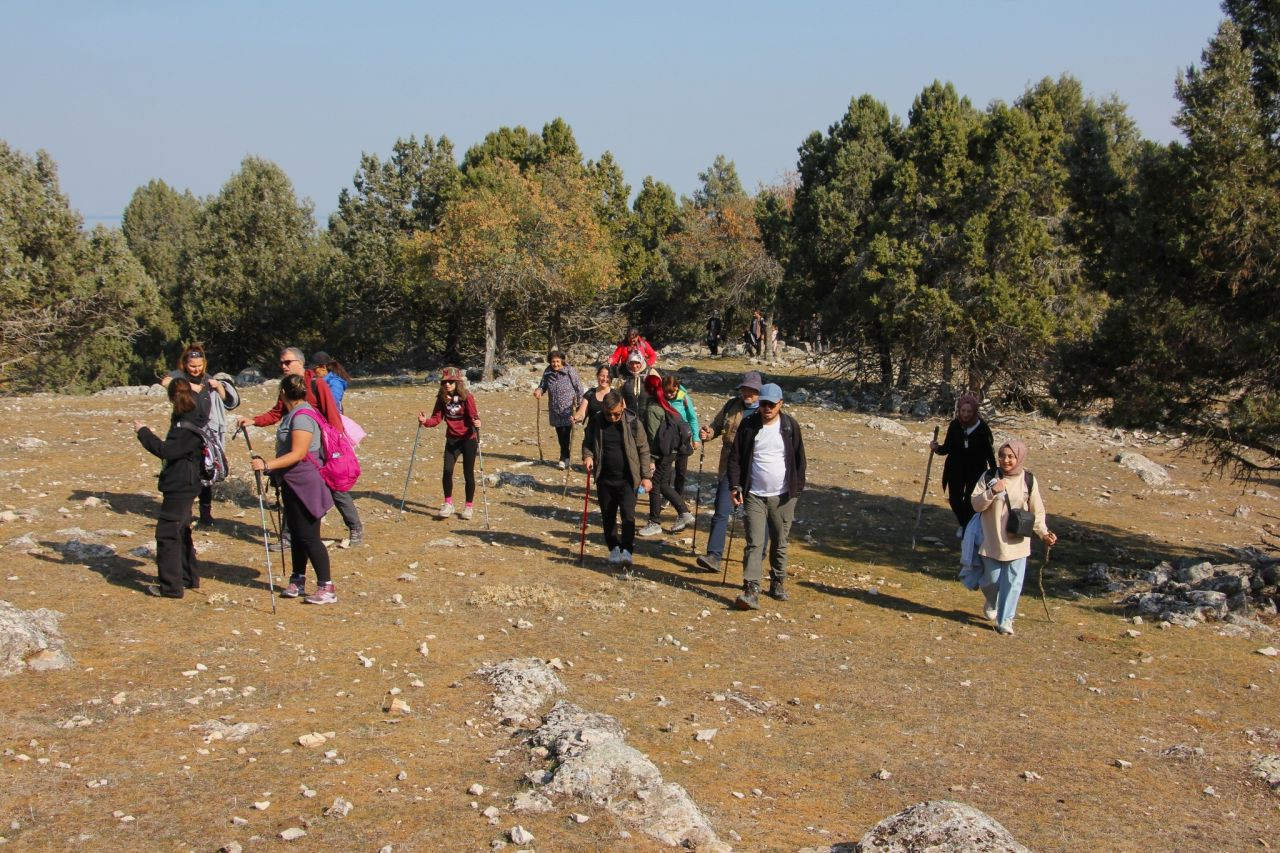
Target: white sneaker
[[562, 464], [465, 515], [682, 522], [1005, 628], [650, 529], [446, 510], [990, 613], [615, 556], [624, 558]]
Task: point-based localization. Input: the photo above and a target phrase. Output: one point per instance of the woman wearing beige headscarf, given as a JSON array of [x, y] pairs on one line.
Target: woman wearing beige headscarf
[[1004, 555]]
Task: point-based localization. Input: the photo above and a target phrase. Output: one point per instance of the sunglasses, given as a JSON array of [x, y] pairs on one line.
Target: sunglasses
[[615, 416], [194, 354], [285, 362], [770, 404]]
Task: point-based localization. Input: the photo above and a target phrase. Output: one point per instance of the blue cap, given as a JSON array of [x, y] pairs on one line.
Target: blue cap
[[770, 393]]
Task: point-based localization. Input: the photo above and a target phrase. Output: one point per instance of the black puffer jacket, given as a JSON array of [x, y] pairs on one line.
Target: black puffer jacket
[[182, 451]]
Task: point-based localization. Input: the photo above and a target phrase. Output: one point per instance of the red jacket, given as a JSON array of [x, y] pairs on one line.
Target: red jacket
[[624, 349], [318, 395]]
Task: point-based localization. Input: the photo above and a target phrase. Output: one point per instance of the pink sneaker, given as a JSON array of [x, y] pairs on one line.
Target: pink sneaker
[[324, 594]]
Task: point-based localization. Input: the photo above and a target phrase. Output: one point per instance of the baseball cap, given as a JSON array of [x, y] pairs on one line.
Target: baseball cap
[[770, 393]]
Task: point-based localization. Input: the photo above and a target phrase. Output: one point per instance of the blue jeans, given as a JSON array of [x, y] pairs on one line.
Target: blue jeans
[[720, 521], [1002, 584]]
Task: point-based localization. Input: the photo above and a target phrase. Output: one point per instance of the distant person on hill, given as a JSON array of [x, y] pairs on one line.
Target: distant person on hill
[[714, 331], [616, 451], [755, 334], [632, 343], [456, 406], [725, 426], [1004, 555], [306, 498], [182, 452], [969, 448], [334, 374], [214, 398], [563, 388]]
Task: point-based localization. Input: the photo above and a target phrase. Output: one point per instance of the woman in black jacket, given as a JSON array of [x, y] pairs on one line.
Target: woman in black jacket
[[969, 448], [182, 451]]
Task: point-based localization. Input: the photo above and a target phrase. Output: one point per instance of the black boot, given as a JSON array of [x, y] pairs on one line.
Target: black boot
[[776, 588], [749, 598], [206, 517]]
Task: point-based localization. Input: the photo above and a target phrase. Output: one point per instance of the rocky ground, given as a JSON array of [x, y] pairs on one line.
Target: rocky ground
[[128, 722]]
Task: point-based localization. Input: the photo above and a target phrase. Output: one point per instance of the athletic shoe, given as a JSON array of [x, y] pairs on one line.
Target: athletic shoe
[[682, 522], [990, 613], [1005, 628], [650, 529], [278, 545], [707, 563], [324, 594], [446, 510], [562, 464], [615, 556], [153, 589], [355, 537], [624, 558], [465, 515], [297, 586]]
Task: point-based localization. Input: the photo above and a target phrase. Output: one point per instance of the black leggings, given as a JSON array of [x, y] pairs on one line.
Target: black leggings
[[563, 434], [304, 537], [664, 487], [468, 448], [961, 504]]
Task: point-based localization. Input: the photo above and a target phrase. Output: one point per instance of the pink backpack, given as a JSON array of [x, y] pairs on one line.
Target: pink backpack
[[339, 467]]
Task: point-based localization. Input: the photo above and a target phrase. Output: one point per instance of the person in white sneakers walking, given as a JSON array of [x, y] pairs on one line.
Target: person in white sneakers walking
[[616, 451], [456, 406], [766, 474]]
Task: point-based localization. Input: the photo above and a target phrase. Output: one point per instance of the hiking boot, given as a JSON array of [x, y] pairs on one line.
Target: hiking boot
[[297, 586], [707, 563], [279, 545], [650, 529], [777, 591], [749, 598], [465, 515], [324, 594], [682, 522], [446, 510], [615, 556], [153, 589], [355, 537], [205, 521]]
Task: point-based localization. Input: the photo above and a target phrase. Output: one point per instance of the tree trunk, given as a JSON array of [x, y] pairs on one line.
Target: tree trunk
[[886, 367], [554, 327], [770, 346], [490, 339]]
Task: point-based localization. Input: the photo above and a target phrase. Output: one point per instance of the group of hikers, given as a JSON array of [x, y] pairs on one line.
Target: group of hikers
[[640, 430]]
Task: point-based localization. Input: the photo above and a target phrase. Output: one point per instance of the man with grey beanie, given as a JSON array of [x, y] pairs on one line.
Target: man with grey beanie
[[766, 474]]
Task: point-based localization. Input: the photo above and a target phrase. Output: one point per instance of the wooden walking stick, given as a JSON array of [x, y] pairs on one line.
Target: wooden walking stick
[[928, 468], [586, 500], [697, 501], [537, 422], [733, 520], [1048, 549]]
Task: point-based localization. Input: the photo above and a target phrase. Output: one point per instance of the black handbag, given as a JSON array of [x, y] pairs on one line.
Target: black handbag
[[1020, 523]]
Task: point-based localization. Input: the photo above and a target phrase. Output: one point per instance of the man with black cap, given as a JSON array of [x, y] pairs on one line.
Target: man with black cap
[[726, 424], [766, 473]]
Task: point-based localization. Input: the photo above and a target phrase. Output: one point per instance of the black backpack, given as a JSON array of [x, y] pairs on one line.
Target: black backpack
[[213, 459], [674, 436]]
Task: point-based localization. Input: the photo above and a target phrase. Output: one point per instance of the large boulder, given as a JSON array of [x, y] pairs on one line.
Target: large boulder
[[29, 639], [940, 826], [521, 686], [1151, 473]]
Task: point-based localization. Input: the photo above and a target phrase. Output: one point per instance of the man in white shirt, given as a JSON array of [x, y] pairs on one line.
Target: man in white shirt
[[766, 474]]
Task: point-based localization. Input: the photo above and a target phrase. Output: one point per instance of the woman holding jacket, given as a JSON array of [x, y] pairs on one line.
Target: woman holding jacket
[[1004, 555], [214, 398], [182, 451]]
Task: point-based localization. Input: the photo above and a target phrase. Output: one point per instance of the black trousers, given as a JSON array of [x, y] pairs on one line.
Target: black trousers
[[206, 500], [467, 448], [304, 533], [664, 487], [615, 495], [563, 434], [961, 505], [176, 563]]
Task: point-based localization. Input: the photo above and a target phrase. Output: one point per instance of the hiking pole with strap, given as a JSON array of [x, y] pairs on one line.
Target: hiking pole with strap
[[412, 456], [733, 520], [262, 514], [582, 538], [1048, 549], [928, 468], [484, 487], [697, 501], [537, 422]]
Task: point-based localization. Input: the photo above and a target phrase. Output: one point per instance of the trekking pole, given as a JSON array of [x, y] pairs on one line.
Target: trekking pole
[[537, 422], [1048, 549], [412, 456], [582, 538], [697, 501], [733, 520], [928, 468], [262, 514], [484, 487]]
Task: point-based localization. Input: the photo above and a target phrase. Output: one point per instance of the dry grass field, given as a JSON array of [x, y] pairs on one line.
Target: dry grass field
[[880, 660]]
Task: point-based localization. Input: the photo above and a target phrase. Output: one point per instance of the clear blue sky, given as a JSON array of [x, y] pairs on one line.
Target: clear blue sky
[[123, 92]]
